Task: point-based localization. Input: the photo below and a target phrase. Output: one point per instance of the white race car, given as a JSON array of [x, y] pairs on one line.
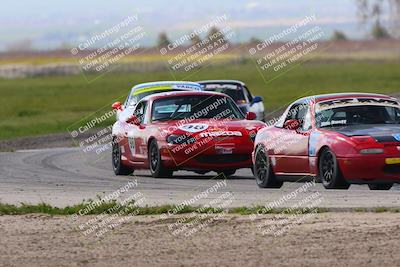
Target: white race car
[[125, 111]]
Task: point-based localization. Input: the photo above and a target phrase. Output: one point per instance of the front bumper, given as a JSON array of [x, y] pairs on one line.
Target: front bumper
[[212, 157]]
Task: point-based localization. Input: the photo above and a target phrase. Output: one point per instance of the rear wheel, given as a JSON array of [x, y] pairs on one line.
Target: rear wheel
[[118, 167], [329, 172], [380, 186], [155, 164], [263, 172]]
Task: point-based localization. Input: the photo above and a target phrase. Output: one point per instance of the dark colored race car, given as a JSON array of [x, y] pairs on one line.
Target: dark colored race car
[[339, 139], [197, 131], [239, 92]]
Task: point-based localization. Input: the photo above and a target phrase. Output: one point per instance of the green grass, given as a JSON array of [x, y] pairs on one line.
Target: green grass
[[43, 208], [24, 208], [42, 105]]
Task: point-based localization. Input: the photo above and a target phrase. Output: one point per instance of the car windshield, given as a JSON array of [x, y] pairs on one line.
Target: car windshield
[[195, 107], [234, 91], [356, 115]]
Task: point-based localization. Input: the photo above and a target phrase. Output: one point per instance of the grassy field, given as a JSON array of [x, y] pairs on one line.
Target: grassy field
[[44, 105]]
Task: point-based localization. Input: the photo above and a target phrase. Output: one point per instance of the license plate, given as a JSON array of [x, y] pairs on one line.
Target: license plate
[[392, 161], [223, 150]]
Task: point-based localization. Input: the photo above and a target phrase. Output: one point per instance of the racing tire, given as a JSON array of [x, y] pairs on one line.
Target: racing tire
[[380, 186], [263, 172], [157, 170], [118, 167], [329, 172]]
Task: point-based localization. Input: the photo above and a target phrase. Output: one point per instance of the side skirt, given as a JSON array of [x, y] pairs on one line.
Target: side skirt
[[295, 177]]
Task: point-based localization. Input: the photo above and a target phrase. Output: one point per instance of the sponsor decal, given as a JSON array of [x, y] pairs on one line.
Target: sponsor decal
[[312, 145], [331, 123], [346, 102], [193, 127], [166, 87], [131, 142], [273, 161], [221, 133], [188, 86], [152, 88]]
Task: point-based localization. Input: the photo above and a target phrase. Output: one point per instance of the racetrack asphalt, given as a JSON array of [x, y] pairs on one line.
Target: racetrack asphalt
[[66, 176]]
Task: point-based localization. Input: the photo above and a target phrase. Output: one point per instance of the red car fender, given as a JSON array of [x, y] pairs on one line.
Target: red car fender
[[340, 145]]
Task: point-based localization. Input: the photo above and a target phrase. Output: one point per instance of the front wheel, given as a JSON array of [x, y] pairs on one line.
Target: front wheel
[[155, 164], [263, 172], [118, 167], [380, 186], [329, 172]]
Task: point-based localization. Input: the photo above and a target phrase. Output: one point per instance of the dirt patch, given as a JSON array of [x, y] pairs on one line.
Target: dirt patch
[[330, 239]]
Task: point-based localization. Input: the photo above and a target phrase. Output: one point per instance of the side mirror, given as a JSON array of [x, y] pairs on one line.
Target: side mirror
[[291, 124], [256, 99], [117, 106], [251, 116], [134, 120]]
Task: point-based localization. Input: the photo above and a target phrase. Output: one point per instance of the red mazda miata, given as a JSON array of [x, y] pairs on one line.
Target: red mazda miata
[[339, 139], [197, 131]]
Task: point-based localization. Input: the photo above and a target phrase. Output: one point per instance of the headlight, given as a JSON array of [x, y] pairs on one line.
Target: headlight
[[180, 139], [371, 151]]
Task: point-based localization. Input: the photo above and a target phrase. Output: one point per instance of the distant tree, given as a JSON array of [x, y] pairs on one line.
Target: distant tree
[[338, 36], [215, 34], [195, 39], [254, 40], [379, 32], [372, 11], [163, 39]]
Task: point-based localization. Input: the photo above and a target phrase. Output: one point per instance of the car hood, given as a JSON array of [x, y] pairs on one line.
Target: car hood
[[381, 132]]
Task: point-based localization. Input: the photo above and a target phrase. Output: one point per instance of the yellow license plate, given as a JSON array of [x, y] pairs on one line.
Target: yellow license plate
[[392, 161]]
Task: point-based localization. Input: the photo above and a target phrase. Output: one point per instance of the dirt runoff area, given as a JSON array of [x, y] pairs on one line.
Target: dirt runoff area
[[325, 239]]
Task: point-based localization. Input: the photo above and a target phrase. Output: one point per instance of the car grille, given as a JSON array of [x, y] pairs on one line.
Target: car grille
[[218, 159]]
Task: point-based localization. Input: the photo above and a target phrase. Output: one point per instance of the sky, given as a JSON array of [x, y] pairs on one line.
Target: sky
[[49, 23]]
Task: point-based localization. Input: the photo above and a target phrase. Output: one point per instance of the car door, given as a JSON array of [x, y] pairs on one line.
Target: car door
[[137, 134], [292, 157]]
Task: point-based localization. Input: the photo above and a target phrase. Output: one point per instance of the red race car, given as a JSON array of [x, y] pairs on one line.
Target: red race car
[[339, 139], [197, 131]]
